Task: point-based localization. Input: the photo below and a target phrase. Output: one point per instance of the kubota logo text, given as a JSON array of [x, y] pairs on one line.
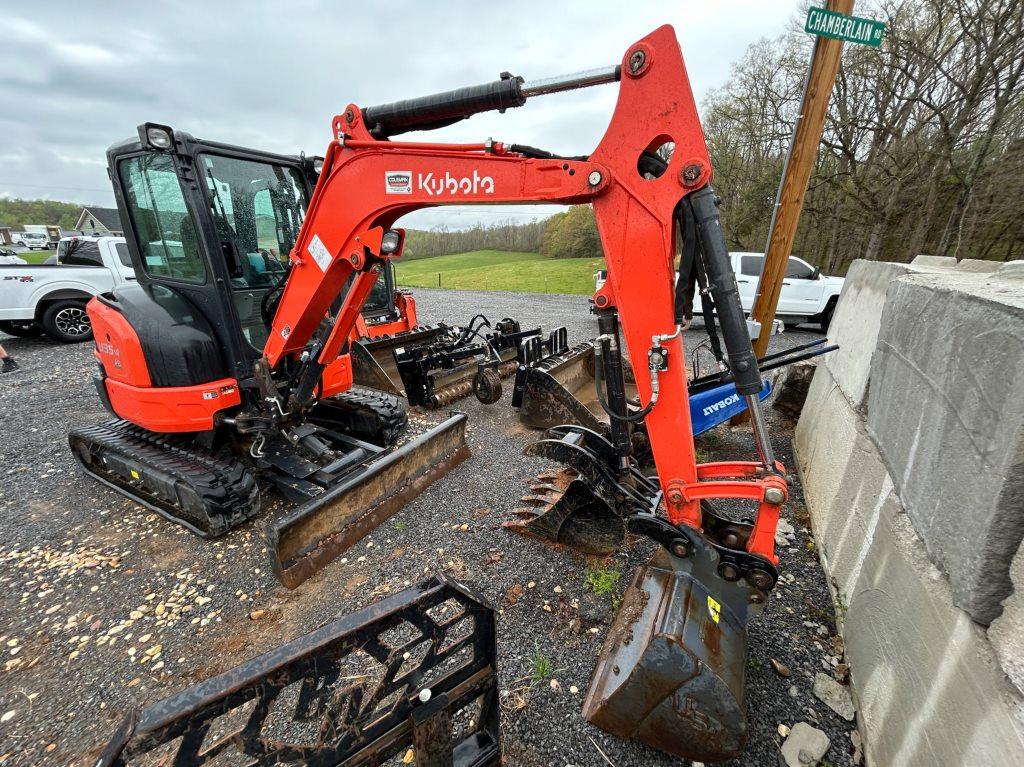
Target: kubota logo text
[[400, 182]]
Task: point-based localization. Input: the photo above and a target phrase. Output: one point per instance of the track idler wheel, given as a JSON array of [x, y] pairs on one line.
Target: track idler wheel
[[671, 673], [563, 509], [487, 386]]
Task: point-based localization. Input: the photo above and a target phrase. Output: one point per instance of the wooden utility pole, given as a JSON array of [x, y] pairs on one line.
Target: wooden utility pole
[[796, 174]]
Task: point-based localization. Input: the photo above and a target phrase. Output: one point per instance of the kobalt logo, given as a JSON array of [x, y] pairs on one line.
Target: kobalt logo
[[398, 182], [722, 403]]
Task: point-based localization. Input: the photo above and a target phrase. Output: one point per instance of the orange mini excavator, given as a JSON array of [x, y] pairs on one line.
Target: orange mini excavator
[[213, 391]]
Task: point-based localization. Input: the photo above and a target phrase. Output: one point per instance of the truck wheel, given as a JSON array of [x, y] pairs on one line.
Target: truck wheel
[[825, 318], [66, 321], [21, 328]]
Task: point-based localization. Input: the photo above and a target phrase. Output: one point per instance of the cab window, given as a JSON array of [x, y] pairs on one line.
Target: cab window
[[162, 224], [751, 265], [257, 210], [79, 253], [798, 270]]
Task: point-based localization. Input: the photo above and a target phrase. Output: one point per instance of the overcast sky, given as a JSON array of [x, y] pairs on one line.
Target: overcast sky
[[75, 77]]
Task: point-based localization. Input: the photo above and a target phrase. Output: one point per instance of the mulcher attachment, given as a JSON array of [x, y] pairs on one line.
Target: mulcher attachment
[[373, 359], [462, 362], [414, 671]]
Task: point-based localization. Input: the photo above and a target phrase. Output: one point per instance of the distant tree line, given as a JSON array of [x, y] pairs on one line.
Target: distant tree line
[[505, 235], [923, 149], [16, 213]]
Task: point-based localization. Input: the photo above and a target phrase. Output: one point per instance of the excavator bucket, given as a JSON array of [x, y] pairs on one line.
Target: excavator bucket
[[671, 673], [308, 537], [560, 388], [373, 359]]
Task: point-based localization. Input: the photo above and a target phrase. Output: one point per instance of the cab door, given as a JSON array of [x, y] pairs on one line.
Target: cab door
[[747, 277], [802, 289]]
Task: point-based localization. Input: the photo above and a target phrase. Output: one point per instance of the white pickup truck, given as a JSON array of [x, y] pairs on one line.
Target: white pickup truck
[[51, 298], [807, 295]]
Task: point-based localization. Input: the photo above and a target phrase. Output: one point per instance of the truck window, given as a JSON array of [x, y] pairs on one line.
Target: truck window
[[123, 255], [79, 253], [798, 270], [751, 265], [162, 224]]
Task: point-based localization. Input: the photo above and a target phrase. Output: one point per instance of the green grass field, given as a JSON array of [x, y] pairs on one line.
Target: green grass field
[[36, 256], [501, 270]]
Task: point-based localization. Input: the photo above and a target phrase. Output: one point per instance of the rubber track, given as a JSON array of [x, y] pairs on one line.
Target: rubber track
[[224, 487], [387, 411]]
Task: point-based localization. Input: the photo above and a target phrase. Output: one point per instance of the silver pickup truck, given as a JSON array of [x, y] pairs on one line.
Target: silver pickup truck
[[51, 297]]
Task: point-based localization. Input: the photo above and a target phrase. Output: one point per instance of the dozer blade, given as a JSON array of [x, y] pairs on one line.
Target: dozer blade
[[671, 672], [306, 539], [373, 359]]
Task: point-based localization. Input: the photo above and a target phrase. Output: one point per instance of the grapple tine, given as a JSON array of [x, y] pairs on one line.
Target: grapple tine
[[577, 518]]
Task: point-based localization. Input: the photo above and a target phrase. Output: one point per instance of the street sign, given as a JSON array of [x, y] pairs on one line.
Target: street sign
[[839, 26]]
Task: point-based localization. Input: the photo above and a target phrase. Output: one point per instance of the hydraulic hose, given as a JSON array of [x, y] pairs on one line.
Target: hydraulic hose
[[598, 383]]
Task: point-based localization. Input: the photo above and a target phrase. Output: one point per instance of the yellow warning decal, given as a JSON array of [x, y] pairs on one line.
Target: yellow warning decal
[[135, 475], [714, 609]]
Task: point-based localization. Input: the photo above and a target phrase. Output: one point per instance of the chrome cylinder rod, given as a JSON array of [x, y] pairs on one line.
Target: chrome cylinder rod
[[761, 438], [585, 79]]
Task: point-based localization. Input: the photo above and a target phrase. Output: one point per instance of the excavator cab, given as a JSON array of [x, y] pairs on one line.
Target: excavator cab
[[202, 432]]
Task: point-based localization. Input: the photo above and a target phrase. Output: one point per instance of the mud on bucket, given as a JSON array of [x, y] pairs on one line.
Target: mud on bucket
[[671, 673]]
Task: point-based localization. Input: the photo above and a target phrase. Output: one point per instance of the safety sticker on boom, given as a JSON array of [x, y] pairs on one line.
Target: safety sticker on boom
[[319, 252], [714, 609]]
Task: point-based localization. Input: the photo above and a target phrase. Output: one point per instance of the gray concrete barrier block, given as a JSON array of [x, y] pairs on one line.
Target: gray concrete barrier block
[[927, 685], [977, 265], [946, 411], [1011, 270], [1007, 631], [855, 325], [935, 262]]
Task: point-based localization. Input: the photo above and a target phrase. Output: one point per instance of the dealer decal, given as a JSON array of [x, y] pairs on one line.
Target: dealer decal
[[398, 181]]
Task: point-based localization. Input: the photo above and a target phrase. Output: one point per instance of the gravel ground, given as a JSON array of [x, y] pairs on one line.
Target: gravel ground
[[115, 607]]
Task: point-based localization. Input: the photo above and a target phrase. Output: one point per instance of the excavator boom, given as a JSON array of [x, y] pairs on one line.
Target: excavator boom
[[712, 572]]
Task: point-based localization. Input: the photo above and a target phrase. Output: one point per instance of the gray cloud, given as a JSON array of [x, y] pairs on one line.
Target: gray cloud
[[74, 79]]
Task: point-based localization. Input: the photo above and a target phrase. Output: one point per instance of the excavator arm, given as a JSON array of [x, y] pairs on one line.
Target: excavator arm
[[369, 182]]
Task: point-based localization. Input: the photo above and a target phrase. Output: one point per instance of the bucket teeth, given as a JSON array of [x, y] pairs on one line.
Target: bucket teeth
[[563, 509]]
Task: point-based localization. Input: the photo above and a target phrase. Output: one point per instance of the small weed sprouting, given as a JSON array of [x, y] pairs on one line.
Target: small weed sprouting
[[541, 666], [400, 525], [601, 580]]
